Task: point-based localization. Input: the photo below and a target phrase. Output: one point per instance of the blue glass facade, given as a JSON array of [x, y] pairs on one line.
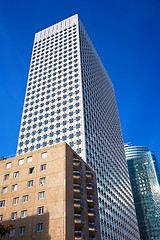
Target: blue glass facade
[[145, 182]]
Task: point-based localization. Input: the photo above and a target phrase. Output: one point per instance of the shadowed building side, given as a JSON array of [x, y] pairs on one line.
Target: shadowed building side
[[32, 227]]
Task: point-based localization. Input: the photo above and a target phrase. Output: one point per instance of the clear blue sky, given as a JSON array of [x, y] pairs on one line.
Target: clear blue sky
[[126, 35]]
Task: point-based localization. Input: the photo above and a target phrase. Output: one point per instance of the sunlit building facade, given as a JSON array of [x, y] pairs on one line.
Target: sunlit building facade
[[49, 194], [145, 182], [70, 98]]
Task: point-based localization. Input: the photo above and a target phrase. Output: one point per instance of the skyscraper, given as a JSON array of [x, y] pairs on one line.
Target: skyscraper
[[145, 182], [70, 97]]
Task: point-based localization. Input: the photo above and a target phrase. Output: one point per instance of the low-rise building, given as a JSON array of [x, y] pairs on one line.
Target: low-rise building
[[49, 194]]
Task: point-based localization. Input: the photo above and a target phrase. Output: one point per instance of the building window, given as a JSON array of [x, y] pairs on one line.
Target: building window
[[39, 227], [44, 155], [64, 130], [38, 146], [20, 151], [14, 188], [2, 203], [21, 230], [71, 113], [43, 167], [45, 136], [15, 200], [31, 170], [29, 159], [71, 144], [64, 138], [24, 214], [8, 165], [12, 233], [78, 134], [57, 140], [42, 181], [25, 199], [79, 150], [40, 130], [14, 216], [71, 128], [39, 138], [41, 195], [1, 218], [21, 161], [30, 183], [51, 127], [6, 177], [78, 142], [57, 132], [51, 142], [15, 174], [77, 111], [40, 210], [45, 129], [71, 120], [71, 136], [32, 148], [4, 190], [78, 126]]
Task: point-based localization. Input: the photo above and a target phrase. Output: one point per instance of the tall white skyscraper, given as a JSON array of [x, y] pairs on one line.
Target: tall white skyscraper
[[70, 98]]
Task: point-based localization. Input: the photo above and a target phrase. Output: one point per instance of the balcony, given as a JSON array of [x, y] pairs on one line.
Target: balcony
[[91, 214], [78, 205], [77, 177], [90, 201], [79, 235], [90, 188], [78, 191], [89, 176], [92, 228], [77, 164], [78, 220]]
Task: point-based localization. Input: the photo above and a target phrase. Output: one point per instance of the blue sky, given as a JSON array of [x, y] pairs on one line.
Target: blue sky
[[126, 35]]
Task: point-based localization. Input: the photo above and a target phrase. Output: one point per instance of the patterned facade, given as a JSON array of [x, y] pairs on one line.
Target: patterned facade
[[145, 182], [70, 98]]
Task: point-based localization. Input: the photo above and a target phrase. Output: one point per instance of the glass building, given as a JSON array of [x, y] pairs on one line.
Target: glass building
[[70, 97], [145, 182]]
